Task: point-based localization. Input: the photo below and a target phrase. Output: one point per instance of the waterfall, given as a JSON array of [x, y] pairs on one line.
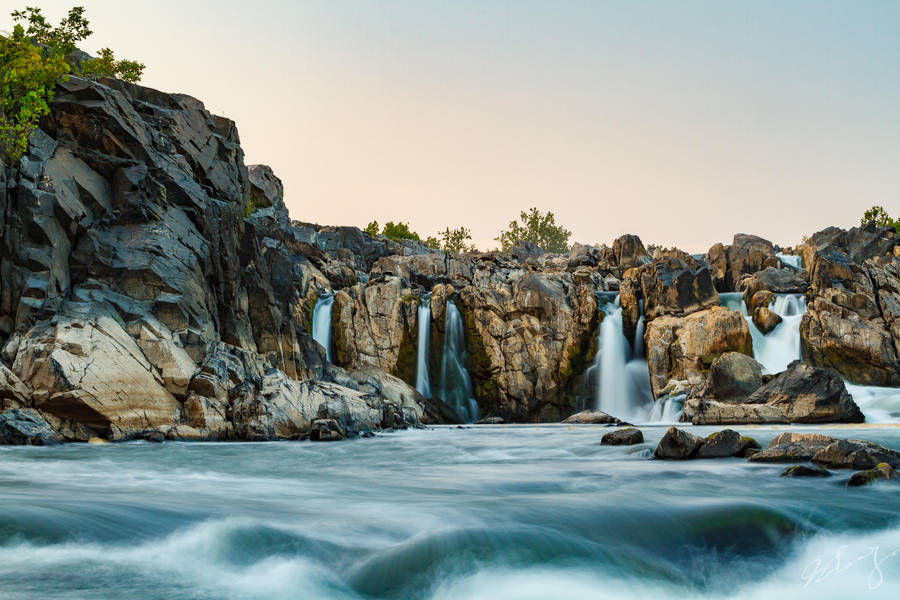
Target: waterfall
[[456, 385], [321, 322], [781, 346], [793, 261], [423, 317], [622, 377]]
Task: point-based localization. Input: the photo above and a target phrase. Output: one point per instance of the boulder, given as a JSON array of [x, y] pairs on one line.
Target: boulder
[[701, 411], [724, 444], [733, 376], [629, 252], [792, 448], [326, 430], [677, 444], [490, 421], [807, 394], [746, 255], [765, 319], [674, 285], [26, 427], [804, 471], [879, 472], [683, 348], [776, 280], [623, 437], [592, 417], [855, 454]]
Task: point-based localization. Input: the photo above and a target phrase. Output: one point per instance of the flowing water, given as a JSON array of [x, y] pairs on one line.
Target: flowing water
[[781, 346], [522, 512], [794, 261], [423, 317], [321, 322], [456, 384]]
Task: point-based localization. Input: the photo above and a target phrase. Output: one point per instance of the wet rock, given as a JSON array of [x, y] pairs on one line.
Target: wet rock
[[592, 417], [765, 319], [674, 285], [807, 394], [701, 411], [881, 472], [490, 421], [804, 471], [855, 454], [683, 348], [26, 427], [678, 444], [792, 448], [326, 430], [724, 444], [776, 280], [733, 376], [623, 437]]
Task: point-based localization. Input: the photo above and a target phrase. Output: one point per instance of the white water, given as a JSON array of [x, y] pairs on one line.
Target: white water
[[423, 316], [781, 346], [791, 260], [321, 322], [622, 377], [456, 384]]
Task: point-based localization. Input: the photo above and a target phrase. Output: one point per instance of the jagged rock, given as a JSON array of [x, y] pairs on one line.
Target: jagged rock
[[745, 256], [792, 448], [623, 437], [326, 430], [760, 299], [855, 454], [857, 243], [13, 393], [804, 471], [629, 252], [684, 348], [592, 417], [882, 471], [733, 376], [700, 411], [26, 427], [775, 280], [807, 394], [765, 319], [677, 444], [724, 444], [676, 284]]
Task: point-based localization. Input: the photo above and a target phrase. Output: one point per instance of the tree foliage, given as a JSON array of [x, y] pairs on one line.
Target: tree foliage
[[456, 240], [372, 228], [881, 218], [539, 228], [399, 231], [33, 58]]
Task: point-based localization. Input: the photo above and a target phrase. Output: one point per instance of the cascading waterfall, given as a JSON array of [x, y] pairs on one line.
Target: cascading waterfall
[[321, 322], [622, 378], [781, 346], [423, 316], [793, 261], [456, 384]]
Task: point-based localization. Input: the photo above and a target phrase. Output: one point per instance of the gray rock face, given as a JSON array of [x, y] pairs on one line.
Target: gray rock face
[[26, 427], [674, 285], [747, 255], [733, 376], [807, 394]]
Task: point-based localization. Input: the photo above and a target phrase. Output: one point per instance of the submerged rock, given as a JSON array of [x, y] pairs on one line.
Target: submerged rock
[[855, 454], [677, 444], [326, 430], [880, 472], [623, 437], [490, 421], [724, 444], [592, 417], [26, 427], [804, 471]]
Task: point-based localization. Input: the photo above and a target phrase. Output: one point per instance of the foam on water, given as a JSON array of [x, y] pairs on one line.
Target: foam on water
[[321, 322]]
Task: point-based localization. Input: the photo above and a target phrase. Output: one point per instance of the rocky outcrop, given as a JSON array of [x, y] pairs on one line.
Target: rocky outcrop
[[674, 285], [591, 417], [745, 256], [855, 454], [792, 447], [733, 376], [26, 427], [684, 348], [881, 472]]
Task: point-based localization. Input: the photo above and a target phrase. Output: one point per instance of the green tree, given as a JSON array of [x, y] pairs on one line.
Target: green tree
[[372, 228], [881, 218], [533, 226], [433, 242], [32, 60], [455, 240], [398, 231]]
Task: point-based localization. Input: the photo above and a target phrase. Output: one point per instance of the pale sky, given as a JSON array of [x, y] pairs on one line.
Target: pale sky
[[684, 121]]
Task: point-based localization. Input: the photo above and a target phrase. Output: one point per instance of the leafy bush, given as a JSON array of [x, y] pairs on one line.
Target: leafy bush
[[372, 228], [399, 231], [454, 240], [32, 60], [541, 229], [881, 218]]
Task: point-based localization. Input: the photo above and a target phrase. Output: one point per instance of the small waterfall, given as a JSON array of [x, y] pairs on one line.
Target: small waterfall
[[781, 346], [321, 322], [456, 385], [423, 317], [622, 378], [733, 301], [791, 260]]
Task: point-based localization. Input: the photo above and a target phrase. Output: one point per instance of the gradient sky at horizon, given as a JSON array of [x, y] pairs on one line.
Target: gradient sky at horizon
[[684, 122]]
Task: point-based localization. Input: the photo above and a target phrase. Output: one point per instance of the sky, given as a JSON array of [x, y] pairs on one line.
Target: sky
[[683, 121]]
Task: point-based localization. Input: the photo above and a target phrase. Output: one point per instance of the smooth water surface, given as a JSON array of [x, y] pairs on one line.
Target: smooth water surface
[[484, 512]]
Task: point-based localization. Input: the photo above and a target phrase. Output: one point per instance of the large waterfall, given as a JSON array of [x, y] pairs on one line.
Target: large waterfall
[[622, 381], [321, 322], [456, 385], [781, 346], [423, 317]]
